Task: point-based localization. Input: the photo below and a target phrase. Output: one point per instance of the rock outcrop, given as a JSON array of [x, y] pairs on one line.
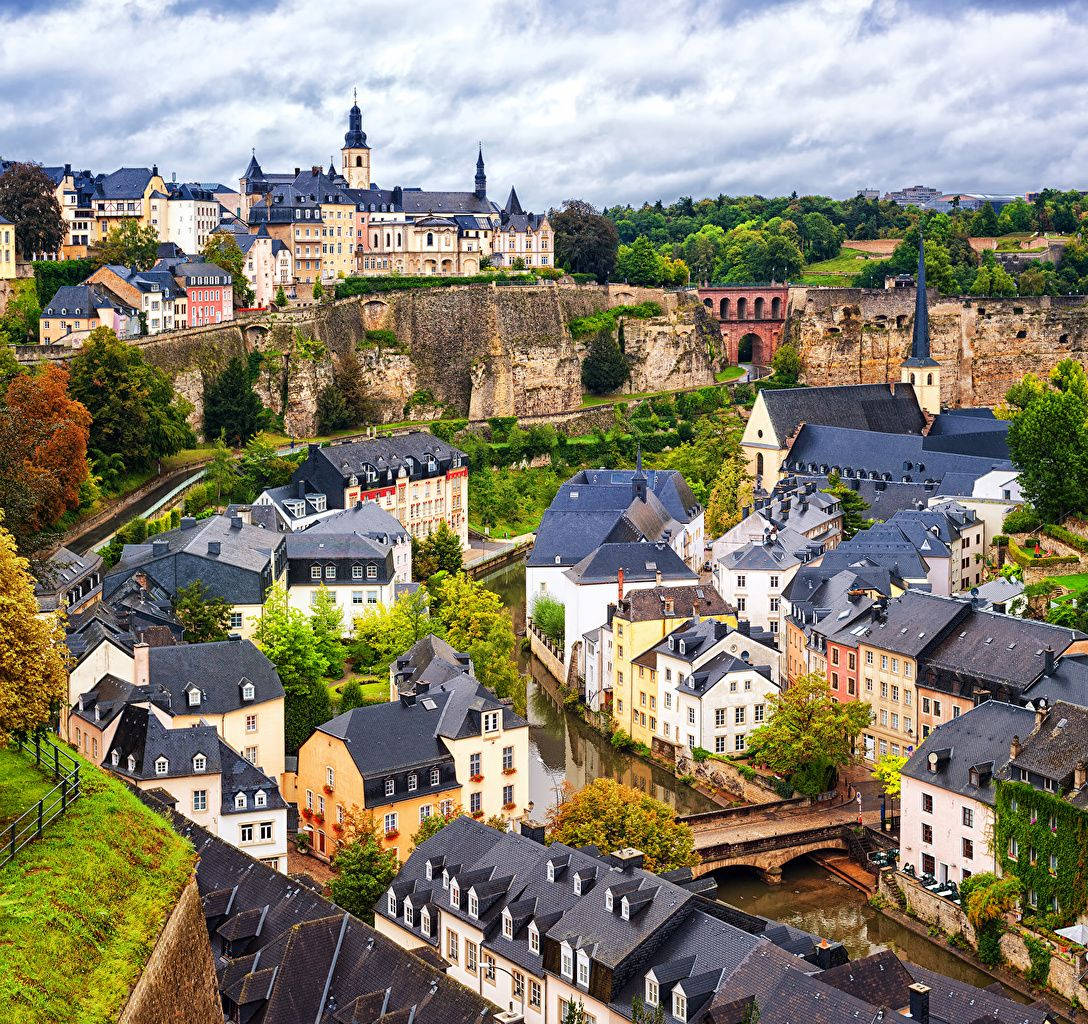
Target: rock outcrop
[[984, 345]]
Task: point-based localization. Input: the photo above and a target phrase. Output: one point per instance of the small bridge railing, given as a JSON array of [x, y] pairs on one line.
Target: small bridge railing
[[64, 768]]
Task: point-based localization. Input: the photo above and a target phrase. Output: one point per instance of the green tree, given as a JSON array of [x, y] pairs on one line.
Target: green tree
[[439, 551], [585, 242], [611, 816], [853, 505], [327, 623], [807, 725], [639, 263], [574, 1012], [222, 250], [287, 639], [232, 407], [351, 696], [382, 634], [319, 291], [1048, 440], [888, 771], [128, 244], [261, 466], [433, 824], [604, 367], [476, 623], [643, 1014], [281, 298], [549, 616], [364, 871], [984, 223], [787, 366], [33, 657], [220, 472], [333, 413], [992, 278], [134, 411], [204, 618], [20, 321], [28, 199]]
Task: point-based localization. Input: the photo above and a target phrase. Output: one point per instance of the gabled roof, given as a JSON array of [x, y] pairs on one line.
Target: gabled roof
[[672, 602], [639, 562], [219, 670], [124, 183], [883, 408]]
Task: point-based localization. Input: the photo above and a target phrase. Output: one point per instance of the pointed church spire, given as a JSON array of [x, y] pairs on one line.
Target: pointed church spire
[[481, 178], [513, 204], [638, 481], [919, 345]]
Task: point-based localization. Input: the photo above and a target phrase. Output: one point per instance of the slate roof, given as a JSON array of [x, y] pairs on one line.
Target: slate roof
[[913, 622], [101, 704], [296, 956], [219, 670], [781, 549], [307, 546], [647, 605], [639, 562], [131, 614], [63, 568], [978, 739], [418, 201], [1056, 746], [364, 519], [956, 1002], [387, 455], [429, 660], [1068, 682], [142, 736], [882, 408], [80, 300], [888, 546], [124, 183], [919, 342]]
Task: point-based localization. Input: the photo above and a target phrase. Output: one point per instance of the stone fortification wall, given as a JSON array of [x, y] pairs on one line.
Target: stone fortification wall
[[984, 345]]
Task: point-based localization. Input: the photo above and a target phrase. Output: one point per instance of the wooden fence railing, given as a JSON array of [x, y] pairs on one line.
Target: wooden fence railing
[[64, 768]]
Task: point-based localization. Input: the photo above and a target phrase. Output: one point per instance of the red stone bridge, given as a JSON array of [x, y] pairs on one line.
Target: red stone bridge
[[752, 319]]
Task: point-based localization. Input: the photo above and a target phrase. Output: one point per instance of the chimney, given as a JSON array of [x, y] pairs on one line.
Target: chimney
[[1014, 748], [744, 627], [188, 522], [829, 954], [160, 547], [657, 577], [1041, 710], [619, 583], [919, 1003], [141, 664], [1080, 776], [298, 171], [746, 511], [213, 547], [626, 860], [236, 522], [314, 448], [1048, 661], [532, 830]]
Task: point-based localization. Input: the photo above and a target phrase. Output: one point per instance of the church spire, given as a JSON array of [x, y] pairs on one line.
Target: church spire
[[481, 178], [355, 137], [919, 345]]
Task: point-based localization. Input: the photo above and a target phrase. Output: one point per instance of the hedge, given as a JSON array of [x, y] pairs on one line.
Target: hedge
[[1021, 520], [1074, 540], [372, 285], [1025, 560]]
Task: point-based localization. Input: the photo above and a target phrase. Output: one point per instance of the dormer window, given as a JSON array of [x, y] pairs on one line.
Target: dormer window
[[507, 924], [390, 787], [534, 938], [652, 992], [577, 885], [473, 904], [679, 1004], [131, 763], [609, 901], [428, 870], [567, 962], [413, 782], [248, 691], [261, 799], [455, 893], [491, 721], [371, 572], [115, 758], [409, 913], [583, 968], [425, 921], [391, 903], [200, 763], [445, 879], [240, 802], [194, 697], [162, 766], [551, 872], [434, 776], [625, 909]]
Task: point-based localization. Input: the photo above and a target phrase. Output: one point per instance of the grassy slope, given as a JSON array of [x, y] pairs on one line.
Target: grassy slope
[[21, 785], [80, 910]]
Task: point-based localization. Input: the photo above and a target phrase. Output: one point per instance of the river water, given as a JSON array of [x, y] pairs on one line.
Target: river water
[[564, 750]]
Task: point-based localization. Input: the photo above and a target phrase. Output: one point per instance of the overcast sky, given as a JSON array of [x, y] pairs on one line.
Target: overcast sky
[[611, 102]]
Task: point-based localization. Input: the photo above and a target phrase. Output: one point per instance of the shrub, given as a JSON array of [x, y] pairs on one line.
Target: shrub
[[1039, 954], [1074, 540], [606, 319], [699, 754], [584, 278], [622, 740], [375, 285], [550, 618], [382, 338], [1026, 559], [1021, 520]]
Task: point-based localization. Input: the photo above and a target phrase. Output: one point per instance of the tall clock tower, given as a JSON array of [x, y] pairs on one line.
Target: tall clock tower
[[355, 155]]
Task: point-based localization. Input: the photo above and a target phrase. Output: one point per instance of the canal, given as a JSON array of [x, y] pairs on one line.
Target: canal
[[566, 751]]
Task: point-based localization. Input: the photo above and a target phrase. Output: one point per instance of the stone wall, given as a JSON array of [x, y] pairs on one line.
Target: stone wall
[[671, 352], [178, 983], [984, 345], [724, 775]]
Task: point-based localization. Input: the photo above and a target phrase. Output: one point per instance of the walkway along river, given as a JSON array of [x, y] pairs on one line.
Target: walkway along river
[[564, 749]]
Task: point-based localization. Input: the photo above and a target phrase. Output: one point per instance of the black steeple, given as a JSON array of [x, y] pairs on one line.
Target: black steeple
[[638, 481], [253, 171], [481, 178], [513, 204], [919, 345], [355, 138]]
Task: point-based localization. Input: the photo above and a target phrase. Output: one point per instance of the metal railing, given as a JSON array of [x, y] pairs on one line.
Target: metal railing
[[64, 768]]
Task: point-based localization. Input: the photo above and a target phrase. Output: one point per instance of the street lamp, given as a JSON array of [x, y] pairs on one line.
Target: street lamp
[[490, 969]]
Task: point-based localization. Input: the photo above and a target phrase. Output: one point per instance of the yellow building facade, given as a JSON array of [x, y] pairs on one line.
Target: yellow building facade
[[7, 250]]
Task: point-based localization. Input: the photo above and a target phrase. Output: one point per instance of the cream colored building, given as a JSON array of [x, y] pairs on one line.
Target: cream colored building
[[523, 236], [7, 249]]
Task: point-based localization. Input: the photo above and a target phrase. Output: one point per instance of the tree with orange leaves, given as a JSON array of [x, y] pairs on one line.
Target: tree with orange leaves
[[43, 451]]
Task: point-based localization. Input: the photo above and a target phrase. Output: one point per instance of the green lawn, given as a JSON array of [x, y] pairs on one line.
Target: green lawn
[[21, 785], [81, 908], [848, 262], [375, 690], [1072, 581], [729, 373]]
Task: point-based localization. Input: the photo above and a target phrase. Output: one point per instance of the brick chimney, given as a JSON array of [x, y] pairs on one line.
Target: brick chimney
[[141, 664], [1080, 776], [619, 584], [1014, 748], [919, 1003]]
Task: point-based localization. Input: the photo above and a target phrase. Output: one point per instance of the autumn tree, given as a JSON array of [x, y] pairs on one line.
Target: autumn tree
[[33, 657], [439, 551], [134, 411], [43, 451], [364, 869], [286, 636], [205, 618], [808, 734], [888, 771], [222, 250], [232, 407], [611, 816], [28, 199], [128, 244]]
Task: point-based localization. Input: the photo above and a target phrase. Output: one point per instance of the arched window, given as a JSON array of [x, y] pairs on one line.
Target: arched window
[[912, 378], [759, 308], [776, 309], [742, 309], [759, 463], [358, 161], [430, 238], [723, 309], [929, 378]]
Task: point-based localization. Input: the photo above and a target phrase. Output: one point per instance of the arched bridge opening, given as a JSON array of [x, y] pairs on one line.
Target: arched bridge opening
[[751, 318]]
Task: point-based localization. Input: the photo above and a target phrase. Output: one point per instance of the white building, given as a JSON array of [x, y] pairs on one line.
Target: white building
[[269, 266], [192, 215], [804, 510]]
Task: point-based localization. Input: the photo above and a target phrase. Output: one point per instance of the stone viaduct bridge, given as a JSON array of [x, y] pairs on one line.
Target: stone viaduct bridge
[[751, 317], [767, 837]]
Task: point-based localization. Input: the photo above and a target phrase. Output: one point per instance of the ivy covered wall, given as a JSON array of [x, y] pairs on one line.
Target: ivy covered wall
[[1043, 824]]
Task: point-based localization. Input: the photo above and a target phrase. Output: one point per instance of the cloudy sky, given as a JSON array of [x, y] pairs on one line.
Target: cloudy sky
[[612, 102]]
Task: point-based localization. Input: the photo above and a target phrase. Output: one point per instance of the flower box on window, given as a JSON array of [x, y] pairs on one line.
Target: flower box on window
[[477, 814], [307, 813], [509, 771], [510, 806], [328, 789], [392, 834], [319, 818], [338, 827], [476, 778]]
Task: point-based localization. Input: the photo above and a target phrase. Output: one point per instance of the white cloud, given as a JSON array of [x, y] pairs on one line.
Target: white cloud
[[608, 101]]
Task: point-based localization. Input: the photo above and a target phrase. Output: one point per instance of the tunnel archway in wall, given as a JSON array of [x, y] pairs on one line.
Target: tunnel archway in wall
[[748, 345]]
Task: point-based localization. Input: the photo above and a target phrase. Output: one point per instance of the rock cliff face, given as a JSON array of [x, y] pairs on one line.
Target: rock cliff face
[[479, 351], [984, 345]]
